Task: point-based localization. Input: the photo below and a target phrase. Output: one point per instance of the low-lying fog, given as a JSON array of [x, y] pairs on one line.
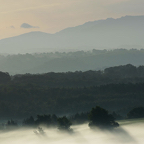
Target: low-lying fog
[[130, 132]]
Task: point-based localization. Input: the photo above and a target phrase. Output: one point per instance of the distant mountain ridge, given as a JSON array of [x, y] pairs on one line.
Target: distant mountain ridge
[[125, 32], [71, 61]]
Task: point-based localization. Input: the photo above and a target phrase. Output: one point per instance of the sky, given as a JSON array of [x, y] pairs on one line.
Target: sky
[[22, 16]]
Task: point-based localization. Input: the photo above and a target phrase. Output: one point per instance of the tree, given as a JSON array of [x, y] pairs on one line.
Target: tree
[[11, 124], [101, 118], [4, 77], [136, 113], [54, 119], [64, 123], [29, 121]]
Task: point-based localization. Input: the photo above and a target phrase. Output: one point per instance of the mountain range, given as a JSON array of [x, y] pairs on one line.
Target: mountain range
[[124, 32]]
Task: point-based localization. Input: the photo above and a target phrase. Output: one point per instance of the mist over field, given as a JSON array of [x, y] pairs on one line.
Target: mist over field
[[129, 132]]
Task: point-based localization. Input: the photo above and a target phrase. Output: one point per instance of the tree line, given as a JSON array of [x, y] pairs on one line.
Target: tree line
[[70, 61], [118, 74], [97, 117]]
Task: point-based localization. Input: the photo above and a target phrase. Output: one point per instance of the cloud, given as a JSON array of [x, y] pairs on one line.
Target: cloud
[[26, 25], [131, 7]]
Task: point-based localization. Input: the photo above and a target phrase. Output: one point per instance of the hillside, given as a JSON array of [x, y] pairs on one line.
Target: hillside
[[117, 89]]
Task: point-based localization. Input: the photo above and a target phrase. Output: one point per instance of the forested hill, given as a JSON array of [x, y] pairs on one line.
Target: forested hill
[[117, 89], [71, 61], [26, 100], [118, 74]]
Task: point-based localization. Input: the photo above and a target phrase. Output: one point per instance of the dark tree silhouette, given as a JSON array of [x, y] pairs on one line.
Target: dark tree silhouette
[[11, 124], [4, 77], [136, 113], [54, 119], [101, 118], [64, 123], [29, 121]]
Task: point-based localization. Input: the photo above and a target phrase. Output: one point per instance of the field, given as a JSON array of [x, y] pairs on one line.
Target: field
[[129, 132]]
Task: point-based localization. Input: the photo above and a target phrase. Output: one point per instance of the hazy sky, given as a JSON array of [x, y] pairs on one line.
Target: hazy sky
[[54, 15]]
